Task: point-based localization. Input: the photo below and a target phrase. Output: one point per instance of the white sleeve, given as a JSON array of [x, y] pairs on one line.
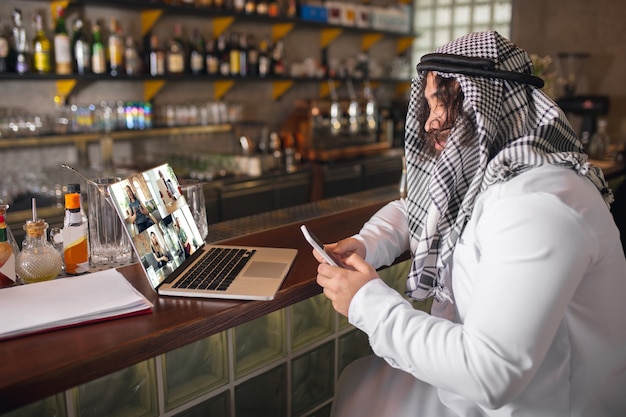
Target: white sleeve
[[386, 234], [533, 251]]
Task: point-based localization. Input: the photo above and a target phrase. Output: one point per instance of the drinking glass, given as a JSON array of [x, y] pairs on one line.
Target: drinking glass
[[109, 244], [194, 195]]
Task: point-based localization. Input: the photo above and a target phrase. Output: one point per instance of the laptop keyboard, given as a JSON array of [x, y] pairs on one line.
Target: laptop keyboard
[[216, 270]]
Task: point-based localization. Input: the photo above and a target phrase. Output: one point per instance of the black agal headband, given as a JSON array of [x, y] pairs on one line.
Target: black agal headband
[[474, 67]]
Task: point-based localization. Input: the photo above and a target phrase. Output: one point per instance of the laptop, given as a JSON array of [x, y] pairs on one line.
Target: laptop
[[173, 253]]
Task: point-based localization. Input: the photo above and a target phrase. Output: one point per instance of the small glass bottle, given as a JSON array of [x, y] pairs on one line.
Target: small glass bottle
[[75, 234], [38, 260]]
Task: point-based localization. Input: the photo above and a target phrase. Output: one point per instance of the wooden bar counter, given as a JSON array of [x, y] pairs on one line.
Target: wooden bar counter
[[37, 366]]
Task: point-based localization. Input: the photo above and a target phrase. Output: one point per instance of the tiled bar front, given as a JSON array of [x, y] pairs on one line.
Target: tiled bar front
[[282, 364]]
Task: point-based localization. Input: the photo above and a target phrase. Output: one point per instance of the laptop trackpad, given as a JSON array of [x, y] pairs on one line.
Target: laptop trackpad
[[264, 269]]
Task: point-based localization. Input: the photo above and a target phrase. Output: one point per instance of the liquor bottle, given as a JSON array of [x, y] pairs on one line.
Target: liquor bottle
[[252, 56], [234, 53], [7, 256], [132, 60], [264, 59], [239, 6], [278, 58], [262, 7], [223, 55], [98, 57], [243, 56], [62, 52], [75, 249], [4, 52], [273, 8], [115, 48], [81, 51], [41, 48], [211, 59], [175, 57], [196, 53], [250, 7], [20, 43], [156, 58]]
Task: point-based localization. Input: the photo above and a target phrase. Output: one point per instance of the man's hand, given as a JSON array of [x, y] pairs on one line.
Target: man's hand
[[341, 284]]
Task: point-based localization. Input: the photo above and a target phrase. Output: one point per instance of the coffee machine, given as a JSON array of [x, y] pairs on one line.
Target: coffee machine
[[587, 107]]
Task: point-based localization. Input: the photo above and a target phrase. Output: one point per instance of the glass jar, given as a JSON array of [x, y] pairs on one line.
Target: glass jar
[[38, 260]]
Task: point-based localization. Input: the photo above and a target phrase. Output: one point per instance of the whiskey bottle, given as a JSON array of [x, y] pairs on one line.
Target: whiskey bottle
[[81, 51], [62, 53], [211, 59], [20, 43], [98, 57], [196, 53], [175, 57], [41, 48]]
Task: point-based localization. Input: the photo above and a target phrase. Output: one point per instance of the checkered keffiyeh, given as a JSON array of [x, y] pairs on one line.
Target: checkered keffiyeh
[[517, 127]]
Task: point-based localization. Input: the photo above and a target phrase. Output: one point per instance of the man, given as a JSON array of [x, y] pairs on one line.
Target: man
[[510, 232]]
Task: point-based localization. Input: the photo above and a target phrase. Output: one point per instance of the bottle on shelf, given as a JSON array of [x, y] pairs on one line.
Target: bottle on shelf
[[81, 50], [41, 48], [204, 3], [38, 260], [273, 8], [223, 55], [252, 56], [21, 43], [234, 53], [262, 7], [132, 60], [196, 53], [239, 6], [243, 55], [98, 57], [115, 48], [7, 256], [75, 233], [62, 52], [175, 57], [264, 59], [4, 51], [278, 58], [156, 57], [212, 62], [250, 7]]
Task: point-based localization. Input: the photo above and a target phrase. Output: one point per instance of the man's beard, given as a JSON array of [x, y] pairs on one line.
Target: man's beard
[[430, 139]]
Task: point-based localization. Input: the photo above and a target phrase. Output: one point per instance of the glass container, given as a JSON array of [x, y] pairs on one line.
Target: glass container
[[38, 260]]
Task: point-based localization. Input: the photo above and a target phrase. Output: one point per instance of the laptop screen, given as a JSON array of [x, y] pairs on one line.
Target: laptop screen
[[158, 220]]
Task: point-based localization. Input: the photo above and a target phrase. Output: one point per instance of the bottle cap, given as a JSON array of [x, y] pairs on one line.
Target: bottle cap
[[72, 201]]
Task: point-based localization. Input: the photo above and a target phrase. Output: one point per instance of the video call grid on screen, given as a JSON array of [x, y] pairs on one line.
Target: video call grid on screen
[[168, 234]]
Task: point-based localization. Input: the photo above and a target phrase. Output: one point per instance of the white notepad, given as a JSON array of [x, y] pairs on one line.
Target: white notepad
[[66, 302]]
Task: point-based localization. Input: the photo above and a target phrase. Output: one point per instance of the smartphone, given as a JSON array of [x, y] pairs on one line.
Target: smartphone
[[319, 246]]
